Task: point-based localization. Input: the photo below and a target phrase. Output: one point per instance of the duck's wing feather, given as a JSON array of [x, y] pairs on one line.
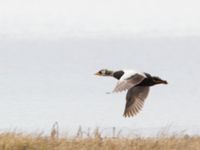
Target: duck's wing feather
[[128, 82], [135, 99]]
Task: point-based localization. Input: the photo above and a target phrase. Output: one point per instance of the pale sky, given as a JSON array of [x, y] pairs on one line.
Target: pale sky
[[64, 18]]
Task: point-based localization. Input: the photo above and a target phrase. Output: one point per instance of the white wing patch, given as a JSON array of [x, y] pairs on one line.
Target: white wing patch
[[129, 80]]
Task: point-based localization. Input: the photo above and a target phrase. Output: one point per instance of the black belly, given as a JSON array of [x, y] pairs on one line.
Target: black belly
[[146, 82]]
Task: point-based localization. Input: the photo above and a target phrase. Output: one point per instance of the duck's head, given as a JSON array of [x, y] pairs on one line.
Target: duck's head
[[104, 72], [158, 80]]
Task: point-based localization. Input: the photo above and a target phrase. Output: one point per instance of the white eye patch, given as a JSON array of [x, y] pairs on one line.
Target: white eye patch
[[103, 71]]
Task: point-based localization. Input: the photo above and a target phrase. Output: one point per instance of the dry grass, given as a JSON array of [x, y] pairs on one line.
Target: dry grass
[[20, 141]]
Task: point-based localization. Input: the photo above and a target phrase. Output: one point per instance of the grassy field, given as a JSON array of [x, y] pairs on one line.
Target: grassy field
[[20, 141]]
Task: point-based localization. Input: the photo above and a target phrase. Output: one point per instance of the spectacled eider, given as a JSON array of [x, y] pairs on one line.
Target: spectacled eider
[[137, 84]]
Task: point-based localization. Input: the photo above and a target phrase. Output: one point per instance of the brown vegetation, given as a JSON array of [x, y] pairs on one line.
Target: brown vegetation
[[20, 141]]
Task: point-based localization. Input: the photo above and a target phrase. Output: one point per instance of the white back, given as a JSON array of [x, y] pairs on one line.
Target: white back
[[124, 84]]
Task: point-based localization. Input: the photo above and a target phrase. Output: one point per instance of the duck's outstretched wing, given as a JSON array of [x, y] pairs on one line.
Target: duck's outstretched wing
[[128, 82], [135, 99]]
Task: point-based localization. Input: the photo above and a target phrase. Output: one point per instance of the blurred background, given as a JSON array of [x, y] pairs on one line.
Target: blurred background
[[50, 50]]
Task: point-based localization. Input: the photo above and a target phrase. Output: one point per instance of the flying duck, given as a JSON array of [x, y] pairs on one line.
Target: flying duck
[[137, 84]]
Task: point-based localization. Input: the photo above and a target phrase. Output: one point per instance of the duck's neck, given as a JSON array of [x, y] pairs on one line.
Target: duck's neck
[[109, 73], [118, 74]]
